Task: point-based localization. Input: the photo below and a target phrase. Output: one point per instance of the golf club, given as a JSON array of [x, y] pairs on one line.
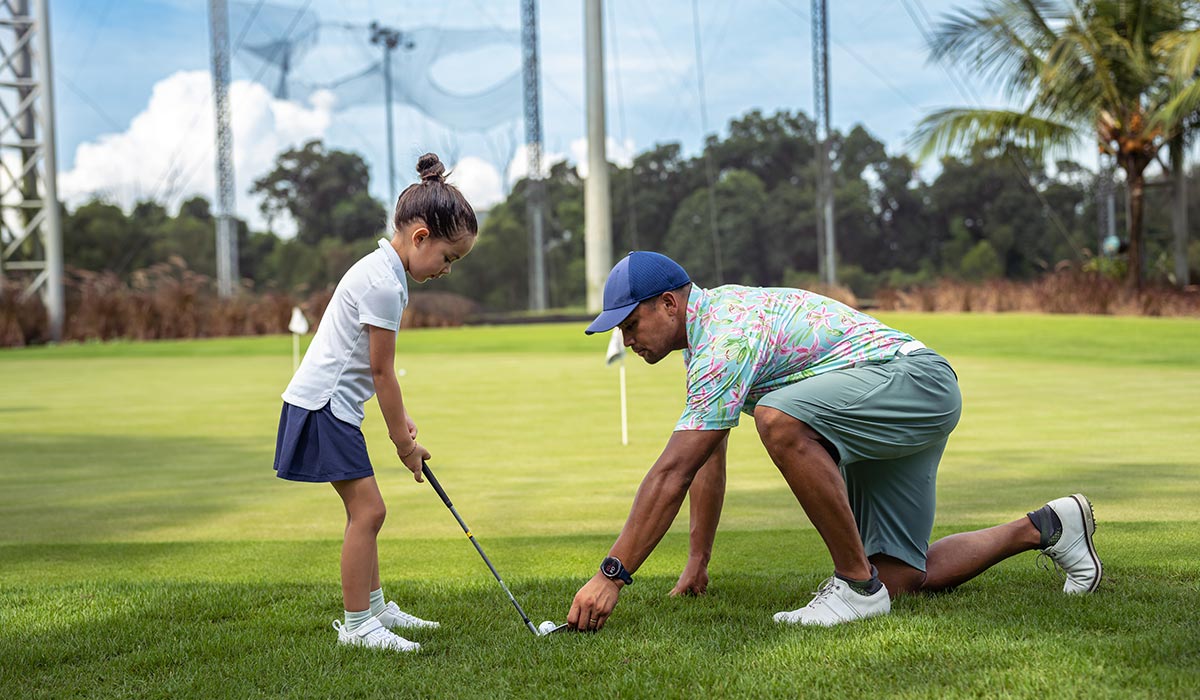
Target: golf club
[[546, 627]]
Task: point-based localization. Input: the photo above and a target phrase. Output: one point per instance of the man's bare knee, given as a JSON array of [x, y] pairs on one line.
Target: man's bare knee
[[899, 577], [781, 432]]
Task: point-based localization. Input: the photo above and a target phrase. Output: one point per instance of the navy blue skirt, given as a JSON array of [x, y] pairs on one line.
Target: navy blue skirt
[[317, 446]]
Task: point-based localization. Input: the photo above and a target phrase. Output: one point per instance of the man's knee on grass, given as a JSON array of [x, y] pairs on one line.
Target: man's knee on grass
[[899, 577]]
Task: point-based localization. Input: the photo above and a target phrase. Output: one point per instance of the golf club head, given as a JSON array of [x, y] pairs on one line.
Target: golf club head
[[548, 627]]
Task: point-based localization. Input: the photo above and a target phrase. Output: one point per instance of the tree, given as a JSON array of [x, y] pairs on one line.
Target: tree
[[98, 236], [1085, 69], [746, 244], [324, 191]]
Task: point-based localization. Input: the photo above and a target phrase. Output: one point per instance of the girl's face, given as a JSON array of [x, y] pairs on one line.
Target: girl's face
[[430, 257]]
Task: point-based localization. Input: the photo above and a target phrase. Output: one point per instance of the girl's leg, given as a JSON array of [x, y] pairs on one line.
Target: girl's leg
[[365, 513]]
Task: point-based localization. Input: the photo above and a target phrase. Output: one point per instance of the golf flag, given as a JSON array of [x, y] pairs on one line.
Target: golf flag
[[616, 353], [298, 326], [616, 347]]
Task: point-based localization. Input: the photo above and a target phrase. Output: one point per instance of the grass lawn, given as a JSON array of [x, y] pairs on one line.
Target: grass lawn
[[147, 550]]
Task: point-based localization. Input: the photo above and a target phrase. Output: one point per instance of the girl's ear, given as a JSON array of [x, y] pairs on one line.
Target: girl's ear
[[419, 234]]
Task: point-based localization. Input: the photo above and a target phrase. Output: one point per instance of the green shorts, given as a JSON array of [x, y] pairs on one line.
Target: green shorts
[[888, 423]]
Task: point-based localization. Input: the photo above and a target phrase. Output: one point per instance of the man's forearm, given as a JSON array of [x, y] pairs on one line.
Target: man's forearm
[[705, 497], [661, 494], [654, 509]]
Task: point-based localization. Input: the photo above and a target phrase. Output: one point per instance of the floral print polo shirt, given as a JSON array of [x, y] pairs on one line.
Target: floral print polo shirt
[[745, 342]]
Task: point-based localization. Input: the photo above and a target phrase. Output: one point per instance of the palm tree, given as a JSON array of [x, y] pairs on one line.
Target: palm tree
[[1098, 70]]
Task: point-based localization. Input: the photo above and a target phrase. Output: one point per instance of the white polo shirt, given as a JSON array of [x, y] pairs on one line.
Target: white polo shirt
[[337, 366]]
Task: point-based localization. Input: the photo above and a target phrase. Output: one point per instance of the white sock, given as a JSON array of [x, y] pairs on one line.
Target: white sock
[[377, 601], [354, 620]]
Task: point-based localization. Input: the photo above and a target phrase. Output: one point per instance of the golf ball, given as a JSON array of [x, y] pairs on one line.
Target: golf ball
[[546, 627]]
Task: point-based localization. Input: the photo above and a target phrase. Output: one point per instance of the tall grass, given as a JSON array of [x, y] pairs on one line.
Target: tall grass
[[1061, 292], [169, 300]]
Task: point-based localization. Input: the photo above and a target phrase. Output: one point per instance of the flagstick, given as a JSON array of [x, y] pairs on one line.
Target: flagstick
[[624, 412], [295, 351]]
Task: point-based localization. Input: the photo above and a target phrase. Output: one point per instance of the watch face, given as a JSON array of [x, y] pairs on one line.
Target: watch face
[[610, 567]]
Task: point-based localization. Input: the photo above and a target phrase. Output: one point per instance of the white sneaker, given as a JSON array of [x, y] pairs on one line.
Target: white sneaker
[[374, 635], [393, 618], [835, 603], [1075, 552]]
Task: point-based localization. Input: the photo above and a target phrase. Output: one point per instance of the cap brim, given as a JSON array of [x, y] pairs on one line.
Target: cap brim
[[611, 318]]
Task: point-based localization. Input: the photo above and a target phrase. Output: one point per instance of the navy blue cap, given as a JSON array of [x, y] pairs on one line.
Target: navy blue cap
[[639, 276]]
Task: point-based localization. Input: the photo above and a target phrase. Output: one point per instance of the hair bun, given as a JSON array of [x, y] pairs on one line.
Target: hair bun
[[430, 167]]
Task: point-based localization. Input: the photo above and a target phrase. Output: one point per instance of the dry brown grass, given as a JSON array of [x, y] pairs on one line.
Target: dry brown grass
[[1063, 292], [169, 300]]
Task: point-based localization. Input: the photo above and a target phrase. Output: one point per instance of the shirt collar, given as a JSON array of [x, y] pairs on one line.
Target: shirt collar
[[394, 259], [698, 300]]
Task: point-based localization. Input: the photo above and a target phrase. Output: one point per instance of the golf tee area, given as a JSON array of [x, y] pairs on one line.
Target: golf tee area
[[147, 549]]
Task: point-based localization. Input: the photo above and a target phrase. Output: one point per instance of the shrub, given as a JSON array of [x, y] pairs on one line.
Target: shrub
[[168, 300]]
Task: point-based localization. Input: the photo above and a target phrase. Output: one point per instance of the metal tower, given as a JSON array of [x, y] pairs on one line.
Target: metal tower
[[536, 202], [825, 245], [227, 256], [30, 219], [389, 39]]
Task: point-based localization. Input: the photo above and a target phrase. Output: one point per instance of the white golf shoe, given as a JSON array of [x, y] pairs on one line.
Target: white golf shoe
[[1075, 552], [393, 618], [373, 635], [835, 603]]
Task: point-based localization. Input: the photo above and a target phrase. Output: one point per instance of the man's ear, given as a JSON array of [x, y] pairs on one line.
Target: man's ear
[[669, 301]]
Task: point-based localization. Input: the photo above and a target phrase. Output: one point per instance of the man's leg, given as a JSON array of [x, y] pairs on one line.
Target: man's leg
[[958, 558], [817, 484], [961, 557], [853, 592], [1066, 538]]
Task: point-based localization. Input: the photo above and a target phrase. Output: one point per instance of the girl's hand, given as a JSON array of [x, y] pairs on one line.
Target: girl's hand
[[412, 426], [413, 459]]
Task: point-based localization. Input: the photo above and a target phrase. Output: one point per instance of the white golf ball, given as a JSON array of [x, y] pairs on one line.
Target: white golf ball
[[546, 627]]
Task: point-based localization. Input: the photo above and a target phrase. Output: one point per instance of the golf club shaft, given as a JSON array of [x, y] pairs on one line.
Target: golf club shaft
[[446, 499]]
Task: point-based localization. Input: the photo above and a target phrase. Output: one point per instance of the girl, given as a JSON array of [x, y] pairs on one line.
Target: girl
[[351, 358]]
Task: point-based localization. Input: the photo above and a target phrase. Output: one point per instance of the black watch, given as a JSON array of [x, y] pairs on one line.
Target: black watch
[[612, 568]]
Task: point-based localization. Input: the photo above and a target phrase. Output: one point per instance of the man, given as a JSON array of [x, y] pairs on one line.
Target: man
[[854, 414]]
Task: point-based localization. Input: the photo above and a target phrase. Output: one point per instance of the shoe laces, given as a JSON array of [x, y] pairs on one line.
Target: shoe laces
[[384, 635], [410, 619], [825, 590], [1045, 562]]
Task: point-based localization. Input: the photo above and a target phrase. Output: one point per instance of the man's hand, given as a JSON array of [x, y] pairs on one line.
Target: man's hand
[[593, 604], [412, 456], [693, 580]]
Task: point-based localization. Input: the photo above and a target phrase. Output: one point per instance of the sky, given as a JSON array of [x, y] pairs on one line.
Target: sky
[[135, 116]]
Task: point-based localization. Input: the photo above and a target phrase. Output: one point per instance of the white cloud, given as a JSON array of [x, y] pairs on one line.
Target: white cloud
[[168, 154], [621, 153], [479, 181]]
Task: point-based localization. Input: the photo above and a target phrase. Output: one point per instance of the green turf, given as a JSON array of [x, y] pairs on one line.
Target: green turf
[[148, 551]]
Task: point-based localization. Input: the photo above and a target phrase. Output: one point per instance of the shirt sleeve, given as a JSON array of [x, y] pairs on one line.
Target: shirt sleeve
[[381, 306], [719, 377]]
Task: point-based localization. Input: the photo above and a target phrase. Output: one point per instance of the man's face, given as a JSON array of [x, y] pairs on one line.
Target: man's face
[[655, 328]]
